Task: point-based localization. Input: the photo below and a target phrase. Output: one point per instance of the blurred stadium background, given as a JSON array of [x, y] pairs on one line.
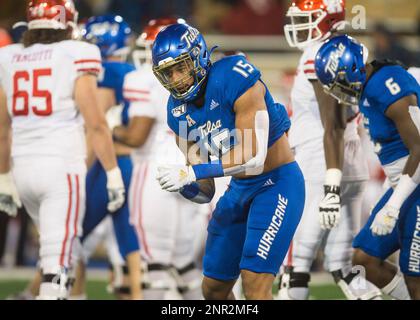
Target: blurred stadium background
[[254, 27]]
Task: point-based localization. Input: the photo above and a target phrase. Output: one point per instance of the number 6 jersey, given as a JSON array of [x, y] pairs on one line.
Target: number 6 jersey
[[39, 84], [388, 84]]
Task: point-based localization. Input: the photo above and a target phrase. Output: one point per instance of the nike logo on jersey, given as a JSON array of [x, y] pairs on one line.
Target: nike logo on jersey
[[179, 111], [213, 104]]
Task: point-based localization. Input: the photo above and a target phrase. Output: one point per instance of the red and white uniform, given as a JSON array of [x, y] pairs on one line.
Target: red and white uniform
[[306, 138], [48, 148], [164, 220]]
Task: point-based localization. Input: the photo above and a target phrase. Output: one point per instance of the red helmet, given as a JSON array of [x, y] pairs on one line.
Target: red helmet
[[143, 52], [313, 20], [51, 14]]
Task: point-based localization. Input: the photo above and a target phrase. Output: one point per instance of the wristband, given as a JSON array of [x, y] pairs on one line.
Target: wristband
[[213, 169], [333, 177]]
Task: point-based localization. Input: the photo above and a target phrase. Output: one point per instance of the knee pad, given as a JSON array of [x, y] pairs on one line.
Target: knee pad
[[355, 286]]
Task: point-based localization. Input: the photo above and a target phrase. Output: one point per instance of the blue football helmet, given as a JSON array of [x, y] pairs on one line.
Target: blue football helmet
[[181, 60], [340, 66], [110, 33]]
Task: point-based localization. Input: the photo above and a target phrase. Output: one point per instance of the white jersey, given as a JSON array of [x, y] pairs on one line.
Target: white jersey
[[306, 119], [148, 98], [415, 72], [39, 83]]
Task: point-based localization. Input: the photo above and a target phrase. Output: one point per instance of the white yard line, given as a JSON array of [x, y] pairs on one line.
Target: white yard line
[[27, 273], [102, 274]]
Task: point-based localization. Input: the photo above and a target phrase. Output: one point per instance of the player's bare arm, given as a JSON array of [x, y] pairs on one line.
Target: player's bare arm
[[251, 116], [136, 133], [96, 126], [5, 135], [249, 157], [403, 113], [333, 118], [9, 199], [406, 117], [106, 99], [98, 133], [334, 122]]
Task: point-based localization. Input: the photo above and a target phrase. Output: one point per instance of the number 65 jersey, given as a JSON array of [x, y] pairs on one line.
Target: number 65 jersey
[[39, 84]]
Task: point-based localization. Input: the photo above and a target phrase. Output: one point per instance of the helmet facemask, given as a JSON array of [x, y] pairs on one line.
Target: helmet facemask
[[142, 54], [191, 74], [346, 92], [304, 27]]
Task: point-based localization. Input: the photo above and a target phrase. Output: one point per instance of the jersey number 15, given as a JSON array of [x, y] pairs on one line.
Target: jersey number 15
[[24, 76], [243, 68]]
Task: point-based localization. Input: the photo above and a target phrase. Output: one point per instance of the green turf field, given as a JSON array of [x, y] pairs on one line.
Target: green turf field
[[97, 290]]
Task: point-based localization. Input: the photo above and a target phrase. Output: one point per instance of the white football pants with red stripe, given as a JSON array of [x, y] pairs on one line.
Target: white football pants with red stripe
[[337, 242], [165, 222], [52, 189]]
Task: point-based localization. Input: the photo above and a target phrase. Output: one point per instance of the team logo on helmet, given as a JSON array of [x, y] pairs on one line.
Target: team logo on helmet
[[333, 61], [334, 6], [190, 36]]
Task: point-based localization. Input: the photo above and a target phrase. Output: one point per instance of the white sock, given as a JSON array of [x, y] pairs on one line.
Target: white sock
[[397, 288], [50, 291], [297, 293]]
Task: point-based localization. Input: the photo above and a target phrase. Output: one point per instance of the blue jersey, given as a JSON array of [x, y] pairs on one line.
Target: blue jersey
[[113, 78], [212, 124], [387, 85]]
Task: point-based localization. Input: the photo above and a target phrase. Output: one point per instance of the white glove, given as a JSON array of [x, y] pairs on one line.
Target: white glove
[[385, 221], [114, 116], [9, 198], [173, 178], [116, 189], [329, 207]]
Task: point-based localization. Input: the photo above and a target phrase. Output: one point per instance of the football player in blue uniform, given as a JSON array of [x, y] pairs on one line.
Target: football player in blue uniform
[[228, 124], [111, 33], [388, 97]]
